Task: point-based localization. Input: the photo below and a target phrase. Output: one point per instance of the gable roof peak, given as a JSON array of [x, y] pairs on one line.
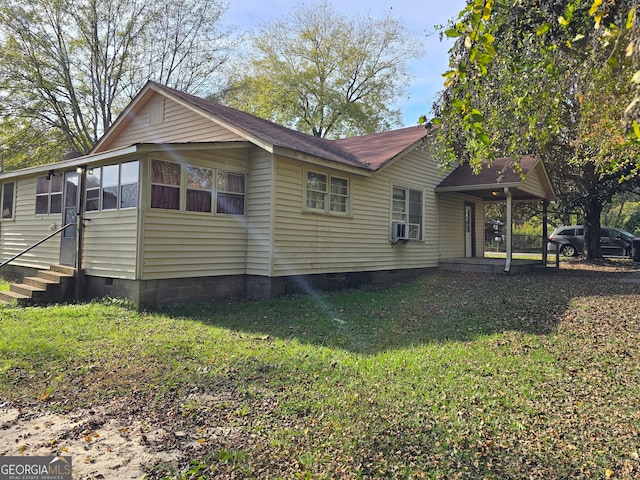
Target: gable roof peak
[[368, 152]]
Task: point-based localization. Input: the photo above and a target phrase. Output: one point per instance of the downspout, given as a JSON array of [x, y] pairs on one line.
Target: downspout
[[507, 265]]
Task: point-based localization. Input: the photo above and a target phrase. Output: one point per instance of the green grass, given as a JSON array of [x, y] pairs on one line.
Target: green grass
[[447, 376]]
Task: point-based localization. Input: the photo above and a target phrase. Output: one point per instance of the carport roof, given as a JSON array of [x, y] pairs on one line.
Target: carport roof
[[526, 178]]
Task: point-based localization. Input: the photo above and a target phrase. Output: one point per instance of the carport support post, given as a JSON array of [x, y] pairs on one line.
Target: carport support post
[[545, 230], [507, 265]]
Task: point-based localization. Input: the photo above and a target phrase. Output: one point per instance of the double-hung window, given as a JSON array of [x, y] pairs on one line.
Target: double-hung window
[[49, 194], [407, 210], [8, 194], [112, 187], [230, 193], [199, 189], [327, 193], [165, 185], [196, 189]]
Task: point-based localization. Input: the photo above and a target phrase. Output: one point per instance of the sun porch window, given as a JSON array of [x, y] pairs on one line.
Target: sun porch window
[[194, 188], [8, 194], [49, 194], [112, 187]]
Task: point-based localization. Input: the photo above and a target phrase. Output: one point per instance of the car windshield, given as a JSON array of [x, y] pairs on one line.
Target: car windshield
[[625, 233]]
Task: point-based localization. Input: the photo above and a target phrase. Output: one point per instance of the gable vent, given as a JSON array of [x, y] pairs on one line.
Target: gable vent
[[156, 112]]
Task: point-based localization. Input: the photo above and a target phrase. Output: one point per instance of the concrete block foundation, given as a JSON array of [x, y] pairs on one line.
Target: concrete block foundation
[[154, 293]]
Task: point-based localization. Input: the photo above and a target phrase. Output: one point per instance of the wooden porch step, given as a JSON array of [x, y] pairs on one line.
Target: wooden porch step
[[9, 296], [53, 275], [47, 286], [39, 282], [70, 271], [26, 290]]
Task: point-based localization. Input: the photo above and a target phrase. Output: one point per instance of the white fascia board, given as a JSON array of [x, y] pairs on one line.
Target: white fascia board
[[74, 162]]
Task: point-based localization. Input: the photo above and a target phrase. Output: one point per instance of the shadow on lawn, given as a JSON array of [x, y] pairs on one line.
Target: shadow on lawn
[[438, 307]]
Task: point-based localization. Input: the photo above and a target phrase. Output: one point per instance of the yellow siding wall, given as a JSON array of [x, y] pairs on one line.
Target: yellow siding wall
[[180, 125], [451, 235], [110, 243], [28, 228], [259, 207], [177, 244], [308, 243], [188, 244], [533, 183]]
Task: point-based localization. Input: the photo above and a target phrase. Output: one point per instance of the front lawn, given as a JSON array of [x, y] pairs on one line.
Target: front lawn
[[448, 376]]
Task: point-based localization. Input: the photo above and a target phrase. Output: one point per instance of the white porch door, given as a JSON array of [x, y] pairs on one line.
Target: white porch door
[[70, 203]]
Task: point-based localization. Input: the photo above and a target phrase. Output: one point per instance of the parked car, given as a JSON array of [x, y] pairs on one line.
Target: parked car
[[613, 241]]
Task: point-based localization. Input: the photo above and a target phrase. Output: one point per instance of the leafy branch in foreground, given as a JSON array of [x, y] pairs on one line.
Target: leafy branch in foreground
[[536, 77]]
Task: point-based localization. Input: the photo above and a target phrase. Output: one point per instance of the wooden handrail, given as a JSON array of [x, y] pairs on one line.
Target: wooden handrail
[[36, 244]]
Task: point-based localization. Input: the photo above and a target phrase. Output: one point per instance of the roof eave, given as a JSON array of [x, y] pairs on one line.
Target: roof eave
[[323, 162], [75, 162], [469, 188]]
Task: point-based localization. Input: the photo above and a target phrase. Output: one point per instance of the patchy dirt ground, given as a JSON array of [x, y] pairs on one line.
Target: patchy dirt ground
[[121, 439], [101, 443]]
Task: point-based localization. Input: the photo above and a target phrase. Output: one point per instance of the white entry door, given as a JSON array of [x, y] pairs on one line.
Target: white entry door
[[469, 229]]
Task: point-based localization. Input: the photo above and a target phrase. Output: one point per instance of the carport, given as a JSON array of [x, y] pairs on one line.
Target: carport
[[506, 180]]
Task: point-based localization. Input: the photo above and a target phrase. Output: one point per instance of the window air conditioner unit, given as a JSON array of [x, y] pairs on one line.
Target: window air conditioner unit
[[399, 231]]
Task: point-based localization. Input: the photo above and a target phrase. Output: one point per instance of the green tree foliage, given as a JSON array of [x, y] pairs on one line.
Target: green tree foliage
[[551, 78], [67, 68], [633, 223], [322, 73]]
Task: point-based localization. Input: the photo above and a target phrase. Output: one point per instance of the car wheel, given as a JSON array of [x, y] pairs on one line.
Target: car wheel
[[568, 250]]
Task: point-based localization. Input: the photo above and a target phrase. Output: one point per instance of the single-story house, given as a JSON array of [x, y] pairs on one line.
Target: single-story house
[[184, 199]]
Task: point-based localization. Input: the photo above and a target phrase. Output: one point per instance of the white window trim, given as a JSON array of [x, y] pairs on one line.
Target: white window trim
[[327, 204], [407, 188]]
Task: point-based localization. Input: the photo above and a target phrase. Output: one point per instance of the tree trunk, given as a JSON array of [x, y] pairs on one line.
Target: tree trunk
[[592, 211]]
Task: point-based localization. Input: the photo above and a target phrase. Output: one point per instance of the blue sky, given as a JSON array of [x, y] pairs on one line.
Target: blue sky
[[419, 17]]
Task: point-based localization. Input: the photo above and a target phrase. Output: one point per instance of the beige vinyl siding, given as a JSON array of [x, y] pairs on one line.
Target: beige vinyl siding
[[308, 243], [188, 244], [110, 243], [179, 244], [27, 228], [232, 159], [259, 207], [533, 183], [451, 236], [180, 124]]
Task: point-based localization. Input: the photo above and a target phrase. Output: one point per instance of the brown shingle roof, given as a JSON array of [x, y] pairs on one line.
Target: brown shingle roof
[[500, 171], [369, 151], [379, 148]]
